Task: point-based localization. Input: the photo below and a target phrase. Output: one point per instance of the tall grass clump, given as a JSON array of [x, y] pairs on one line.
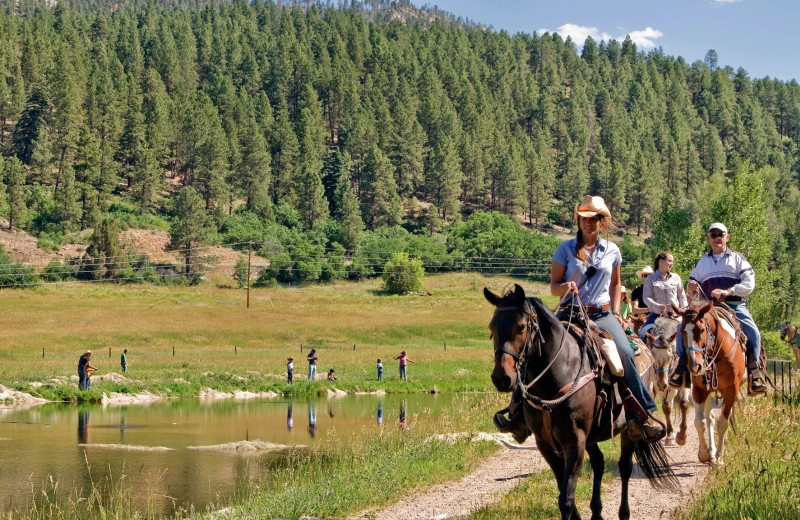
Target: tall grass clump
[[761, 475]]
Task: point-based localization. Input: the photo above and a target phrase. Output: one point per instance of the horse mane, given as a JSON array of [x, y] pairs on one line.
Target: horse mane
[[544, 314]]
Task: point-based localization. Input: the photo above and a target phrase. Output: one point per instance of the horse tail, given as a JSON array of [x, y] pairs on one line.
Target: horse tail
[[655, 464]]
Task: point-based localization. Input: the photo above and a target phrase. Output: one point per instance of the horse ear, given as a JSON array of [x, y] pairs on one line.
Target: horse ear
[[672, 338], [519, 294], [491, 297], [705, 309], [652, 338]]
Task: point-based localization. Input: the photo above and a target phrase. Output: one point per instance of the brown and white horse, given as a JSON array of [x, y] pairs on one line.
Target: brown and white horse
[[661, 340], [716, 361]]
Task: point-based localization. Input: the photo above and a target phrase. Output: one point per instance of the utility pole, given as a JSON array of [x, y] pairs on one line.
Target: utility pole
[[249, 249]]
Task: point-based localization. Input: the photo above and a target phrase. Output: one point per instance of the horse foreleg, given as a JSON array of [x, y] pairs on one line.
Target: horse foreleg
[[625, 469], [728, 400], [666, 406], [796, 351], [702, 420], [683, 395], [598, 467], [572, 469]]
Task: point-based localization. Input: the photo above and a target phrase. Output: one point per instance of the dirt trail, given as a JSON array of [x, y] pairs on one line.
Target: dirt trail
[[498, 475]]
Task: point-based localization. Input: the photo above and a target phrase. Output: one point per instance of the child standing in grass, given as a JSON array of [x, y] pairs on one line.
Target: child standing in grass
[[404, 361], [380, 370], [290, 369], [123, 361]]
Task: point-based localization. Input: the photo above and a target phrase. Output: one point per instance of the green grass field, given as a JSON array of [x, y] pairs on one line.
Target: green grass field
[[219, 343]]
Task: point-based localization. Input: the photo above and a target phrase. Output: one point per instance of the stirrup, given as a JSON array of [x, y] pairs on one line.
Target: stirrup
[[756, 386]]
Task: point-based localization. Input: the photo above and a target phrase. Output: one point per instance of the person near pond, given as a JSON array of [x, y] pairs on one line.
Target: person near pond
[[725, 275], [312, 364], [123, 361], [586, 269], [331, 375], [404, 361], [662, 290], [85, 370], [380, 370], [290, 370]]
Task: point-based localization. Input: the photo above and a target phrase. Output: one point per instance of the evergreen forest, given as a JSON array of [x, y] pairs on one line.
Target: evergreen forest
[[331, 136]]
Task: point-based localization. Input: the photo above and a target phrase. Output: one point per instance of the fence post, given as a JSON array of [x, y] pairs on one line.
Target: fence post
[[109, 352], [173, 351], [42, 352], [445, 345], [235, 349]]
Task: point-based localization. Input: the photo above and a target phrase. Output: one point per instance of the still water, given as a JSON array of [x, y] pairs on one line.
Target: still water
[[162, 451]]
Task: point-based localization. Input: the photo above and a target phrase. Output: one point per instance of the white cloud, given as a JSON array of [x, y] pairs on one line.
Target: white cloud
[[726, 1], [643, 39]]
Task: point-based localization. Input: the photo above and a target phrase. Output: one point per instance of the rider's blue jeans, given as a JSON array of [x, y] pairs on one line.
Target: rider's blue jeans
[[607, 321]]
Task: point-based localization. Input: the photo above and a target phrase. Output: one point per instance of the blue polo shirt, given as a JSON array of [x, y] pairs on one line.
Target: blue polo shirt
[[605, 258]]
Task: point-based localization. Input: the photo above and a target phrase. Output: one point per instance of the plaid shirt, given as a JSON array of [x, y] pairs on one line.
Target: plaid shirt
[[662, 291]]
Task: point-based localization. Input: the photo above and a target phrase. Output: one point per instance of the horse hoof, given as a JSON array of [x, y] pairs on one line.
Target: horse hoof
[[669, 440], [705, 458], [681, 439]]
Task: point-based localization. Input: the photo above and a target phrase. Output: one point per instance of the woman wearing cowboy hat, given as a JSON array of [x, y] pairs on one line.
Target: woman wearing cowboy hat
[[588, 267], [637, 295]]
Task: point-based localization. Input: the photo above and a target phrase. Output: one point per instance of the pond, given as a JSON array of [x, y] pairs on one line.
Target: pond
[[171, 454]]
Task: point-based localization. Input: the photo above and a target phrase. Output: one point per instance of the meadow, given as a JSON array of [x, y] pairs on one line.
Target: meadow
[[183, 339]]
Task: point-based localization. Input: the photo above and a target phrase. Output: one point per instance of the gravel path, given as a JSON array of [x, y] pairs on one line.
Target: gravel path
[[499, 474]]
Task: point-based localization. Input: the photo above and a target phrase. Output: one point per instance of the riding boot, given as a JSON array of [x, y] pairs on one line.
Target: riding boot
[[676, 379], [757, 385], [644, 426], [514, 423]]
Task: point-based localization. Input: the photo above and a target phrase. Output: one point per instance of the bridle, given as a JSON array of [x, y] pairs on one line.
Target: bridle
[[521, 360]]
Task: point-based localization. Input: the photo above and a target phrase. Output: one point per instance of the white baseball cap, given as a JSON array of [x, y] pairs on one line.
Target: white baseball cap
[[718, 225]]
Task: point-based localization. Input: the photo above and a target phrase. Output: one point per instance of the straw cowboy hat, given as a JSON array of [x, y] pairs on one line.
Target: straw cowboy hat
[[648, 270], [590, 206]]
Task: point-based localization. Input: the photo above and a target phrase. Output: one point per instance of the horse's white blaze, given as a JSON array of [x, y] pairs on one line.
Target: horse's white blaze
[[688, 330]]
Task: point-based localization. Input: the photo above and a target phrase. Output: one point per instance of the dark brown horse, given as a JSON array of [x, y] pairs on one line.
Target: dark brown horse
[[716, 362], [563, 405]]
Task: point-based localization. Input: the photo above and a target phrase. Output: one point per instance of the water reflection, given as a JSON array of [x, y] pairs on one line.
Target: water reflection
[[289, 417], [403, 420], [312, 419], [83, 426], [380, 412]]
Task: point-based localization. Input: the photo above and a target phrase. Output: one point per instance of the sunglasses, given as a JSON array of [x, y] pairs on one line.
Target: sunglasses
[[716, 235], [591, 271]]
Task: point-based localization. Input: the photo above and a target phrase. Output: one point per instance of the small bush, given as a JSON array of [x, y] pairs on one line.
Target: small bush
[[402, 274]]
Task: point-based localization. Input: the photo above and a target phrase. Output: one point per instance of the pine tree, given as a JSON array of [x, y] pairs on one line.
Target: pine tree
[[190, 227], [14, 176]]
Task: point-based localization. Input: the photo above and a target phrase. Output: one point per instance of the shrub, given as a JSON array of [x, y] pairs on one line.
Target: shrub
[[402, 274]]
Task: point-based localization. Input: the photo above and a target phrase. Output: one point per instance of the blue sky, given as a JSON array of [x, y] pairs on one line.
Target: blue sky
[[758, 35]]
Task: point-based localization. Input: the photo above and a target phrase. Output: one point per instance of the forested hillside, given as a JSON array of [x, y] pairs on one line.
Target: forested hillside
[[342, 122]]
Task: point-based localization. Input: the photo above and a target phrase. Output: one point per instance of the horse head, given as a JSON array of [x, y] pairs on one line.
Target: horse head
[[784, 330], [662, 344], [510, 332], [697, 337]]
